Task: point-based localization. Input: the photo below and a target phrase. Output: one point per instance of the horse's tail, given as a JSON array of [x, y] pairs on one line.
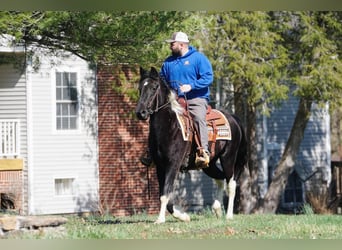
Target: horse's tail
[[242, 155]]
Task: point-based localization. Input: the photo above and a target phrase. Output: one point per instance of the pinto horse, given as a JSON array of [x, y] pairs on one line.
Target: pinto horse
[[172, 154]]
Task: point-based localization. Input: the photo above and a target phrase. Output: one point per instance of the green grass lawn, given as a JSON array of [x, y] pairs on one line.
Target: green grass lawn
[[201, 226]]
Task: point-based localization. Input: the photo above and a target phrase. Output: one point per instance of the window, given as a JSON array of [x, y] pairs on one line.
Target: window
[[64, 186], [66, 101], [293, 196], [294, 189]]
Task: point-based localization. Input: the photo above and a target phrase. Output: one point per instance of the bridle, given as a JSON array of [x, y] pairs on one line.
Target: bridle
[[155, 99]]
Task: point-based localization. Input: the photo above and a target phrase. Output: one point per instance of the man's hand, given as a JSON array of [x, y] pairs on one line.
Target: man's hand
[[185, 88]]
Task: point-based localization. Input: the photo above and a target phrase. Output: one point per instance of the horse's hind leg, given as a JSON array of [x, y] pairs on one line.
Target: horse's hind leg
[[216, 207], [231, 190]]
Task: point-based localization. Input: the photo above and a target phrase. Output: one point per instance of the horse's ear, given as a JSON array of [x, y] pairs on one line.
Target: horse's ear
[[142, 71], [154, 73]]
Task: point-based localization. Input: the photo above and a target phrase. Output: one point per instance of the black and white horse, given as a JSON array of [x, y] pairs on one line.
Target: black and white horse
[[170, 152]]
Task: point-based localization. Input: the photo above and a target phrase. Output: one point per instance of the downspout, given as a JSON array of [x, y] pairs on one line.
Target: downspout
[[30, 164]]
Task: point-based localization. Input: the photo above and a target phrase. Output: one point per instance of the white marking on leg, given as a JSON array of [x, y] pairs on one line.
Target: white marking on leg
[[231, 194], [216, 207], [163, 203], [180, 214]]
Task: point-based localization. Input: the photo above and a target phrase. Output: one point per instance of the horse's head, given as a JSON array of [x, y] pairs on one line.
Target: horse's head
[[149, 86]]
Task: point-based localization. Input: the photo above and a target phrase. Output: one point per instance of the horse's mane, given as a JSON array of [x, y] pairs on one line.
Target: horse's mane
[[175, 106]]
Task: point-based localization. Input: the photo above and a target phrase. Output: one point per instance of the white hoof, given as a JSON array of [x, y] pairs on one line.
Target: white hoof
[[216, 207], [186, 218], [180, 215], [159, 221], [229, 217]]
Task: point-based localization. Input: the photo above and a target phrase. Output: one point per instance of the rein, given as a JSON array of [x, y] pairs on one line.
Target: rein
[[155, 97]]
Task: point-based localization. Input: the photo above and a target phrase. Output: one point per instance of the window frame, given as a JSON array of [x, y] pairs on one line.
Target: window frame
[[55, 101], [66, 187], [293, 187]]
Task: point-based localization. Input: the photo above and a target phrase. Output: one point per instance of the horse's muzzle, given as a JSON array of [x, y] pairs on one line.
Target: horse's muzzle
[[143, 114]]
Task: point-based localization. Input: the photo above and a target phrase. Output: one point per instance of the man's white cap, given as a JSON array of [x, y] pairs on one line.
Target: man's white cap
[[178, 37]]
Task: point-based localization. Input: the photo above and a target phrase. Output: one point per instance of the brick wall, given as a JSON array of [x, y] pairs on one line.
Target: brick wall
[[11, 186], [124, 188]]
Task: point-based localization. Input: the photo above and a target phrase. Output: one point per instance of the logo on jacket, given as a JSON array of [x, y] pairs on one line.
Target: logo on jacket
[[186, 62]]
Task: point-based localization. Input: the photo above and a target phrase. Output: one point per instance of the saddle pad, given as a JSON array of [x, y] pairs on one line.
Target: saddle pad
[[222, 126], [221, 123], [186, 132]]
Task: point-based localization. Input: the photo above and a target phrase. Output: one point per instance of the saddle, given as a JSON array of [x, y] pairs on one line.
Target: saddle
[[217, 124]]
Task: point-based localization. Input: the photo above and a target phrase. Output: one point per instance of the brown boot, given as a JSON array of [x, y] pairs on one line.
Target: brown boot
[[202, 158]]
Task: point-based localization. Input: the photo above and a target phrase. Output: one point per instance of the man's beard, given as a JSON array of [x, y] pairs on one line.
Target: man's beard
[[176, 53]]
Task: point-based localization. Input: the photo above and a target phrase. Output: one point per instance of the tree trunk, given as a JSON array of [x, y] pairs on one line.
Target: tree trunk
[[287, 161], [249, 195]]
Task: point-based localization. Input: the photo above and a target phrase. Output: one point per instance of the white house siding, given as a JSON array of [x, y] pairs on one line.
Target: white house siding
[[195, 190], [13, 100], [62, 154], [313, 164], [313, 159], [13, 105]]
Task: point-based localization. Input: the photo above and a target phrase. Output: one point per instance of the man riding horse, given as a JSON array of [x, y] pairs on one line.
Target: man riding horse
[[189, 73]]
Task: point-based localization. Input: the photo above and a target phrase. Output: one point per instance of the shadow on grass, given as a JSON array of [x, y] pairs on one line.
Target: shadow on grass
[[117, 221], [125, 221]]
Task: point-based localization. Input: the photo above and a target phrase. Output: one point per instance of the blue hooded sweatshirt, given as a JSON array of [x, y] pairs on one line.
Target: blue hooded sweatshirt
[[193, 68]]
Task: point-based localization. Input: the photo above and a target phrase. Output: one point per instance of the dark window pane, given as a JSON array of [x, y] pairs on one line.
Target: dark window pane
[[59, 109], [59, 123], [73, 122], [58, 94], [73, 94], [58, 79], [73, 80], [65, 109], [73, 109], [288, 196], [65, 123], [65, 79], [65, 94], [299, 196]]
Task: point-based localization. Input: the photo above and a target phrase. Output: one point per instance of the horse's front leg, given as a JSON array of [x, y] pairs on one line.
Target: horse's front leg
[[178, 213], [164, 200], [175, 211]]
